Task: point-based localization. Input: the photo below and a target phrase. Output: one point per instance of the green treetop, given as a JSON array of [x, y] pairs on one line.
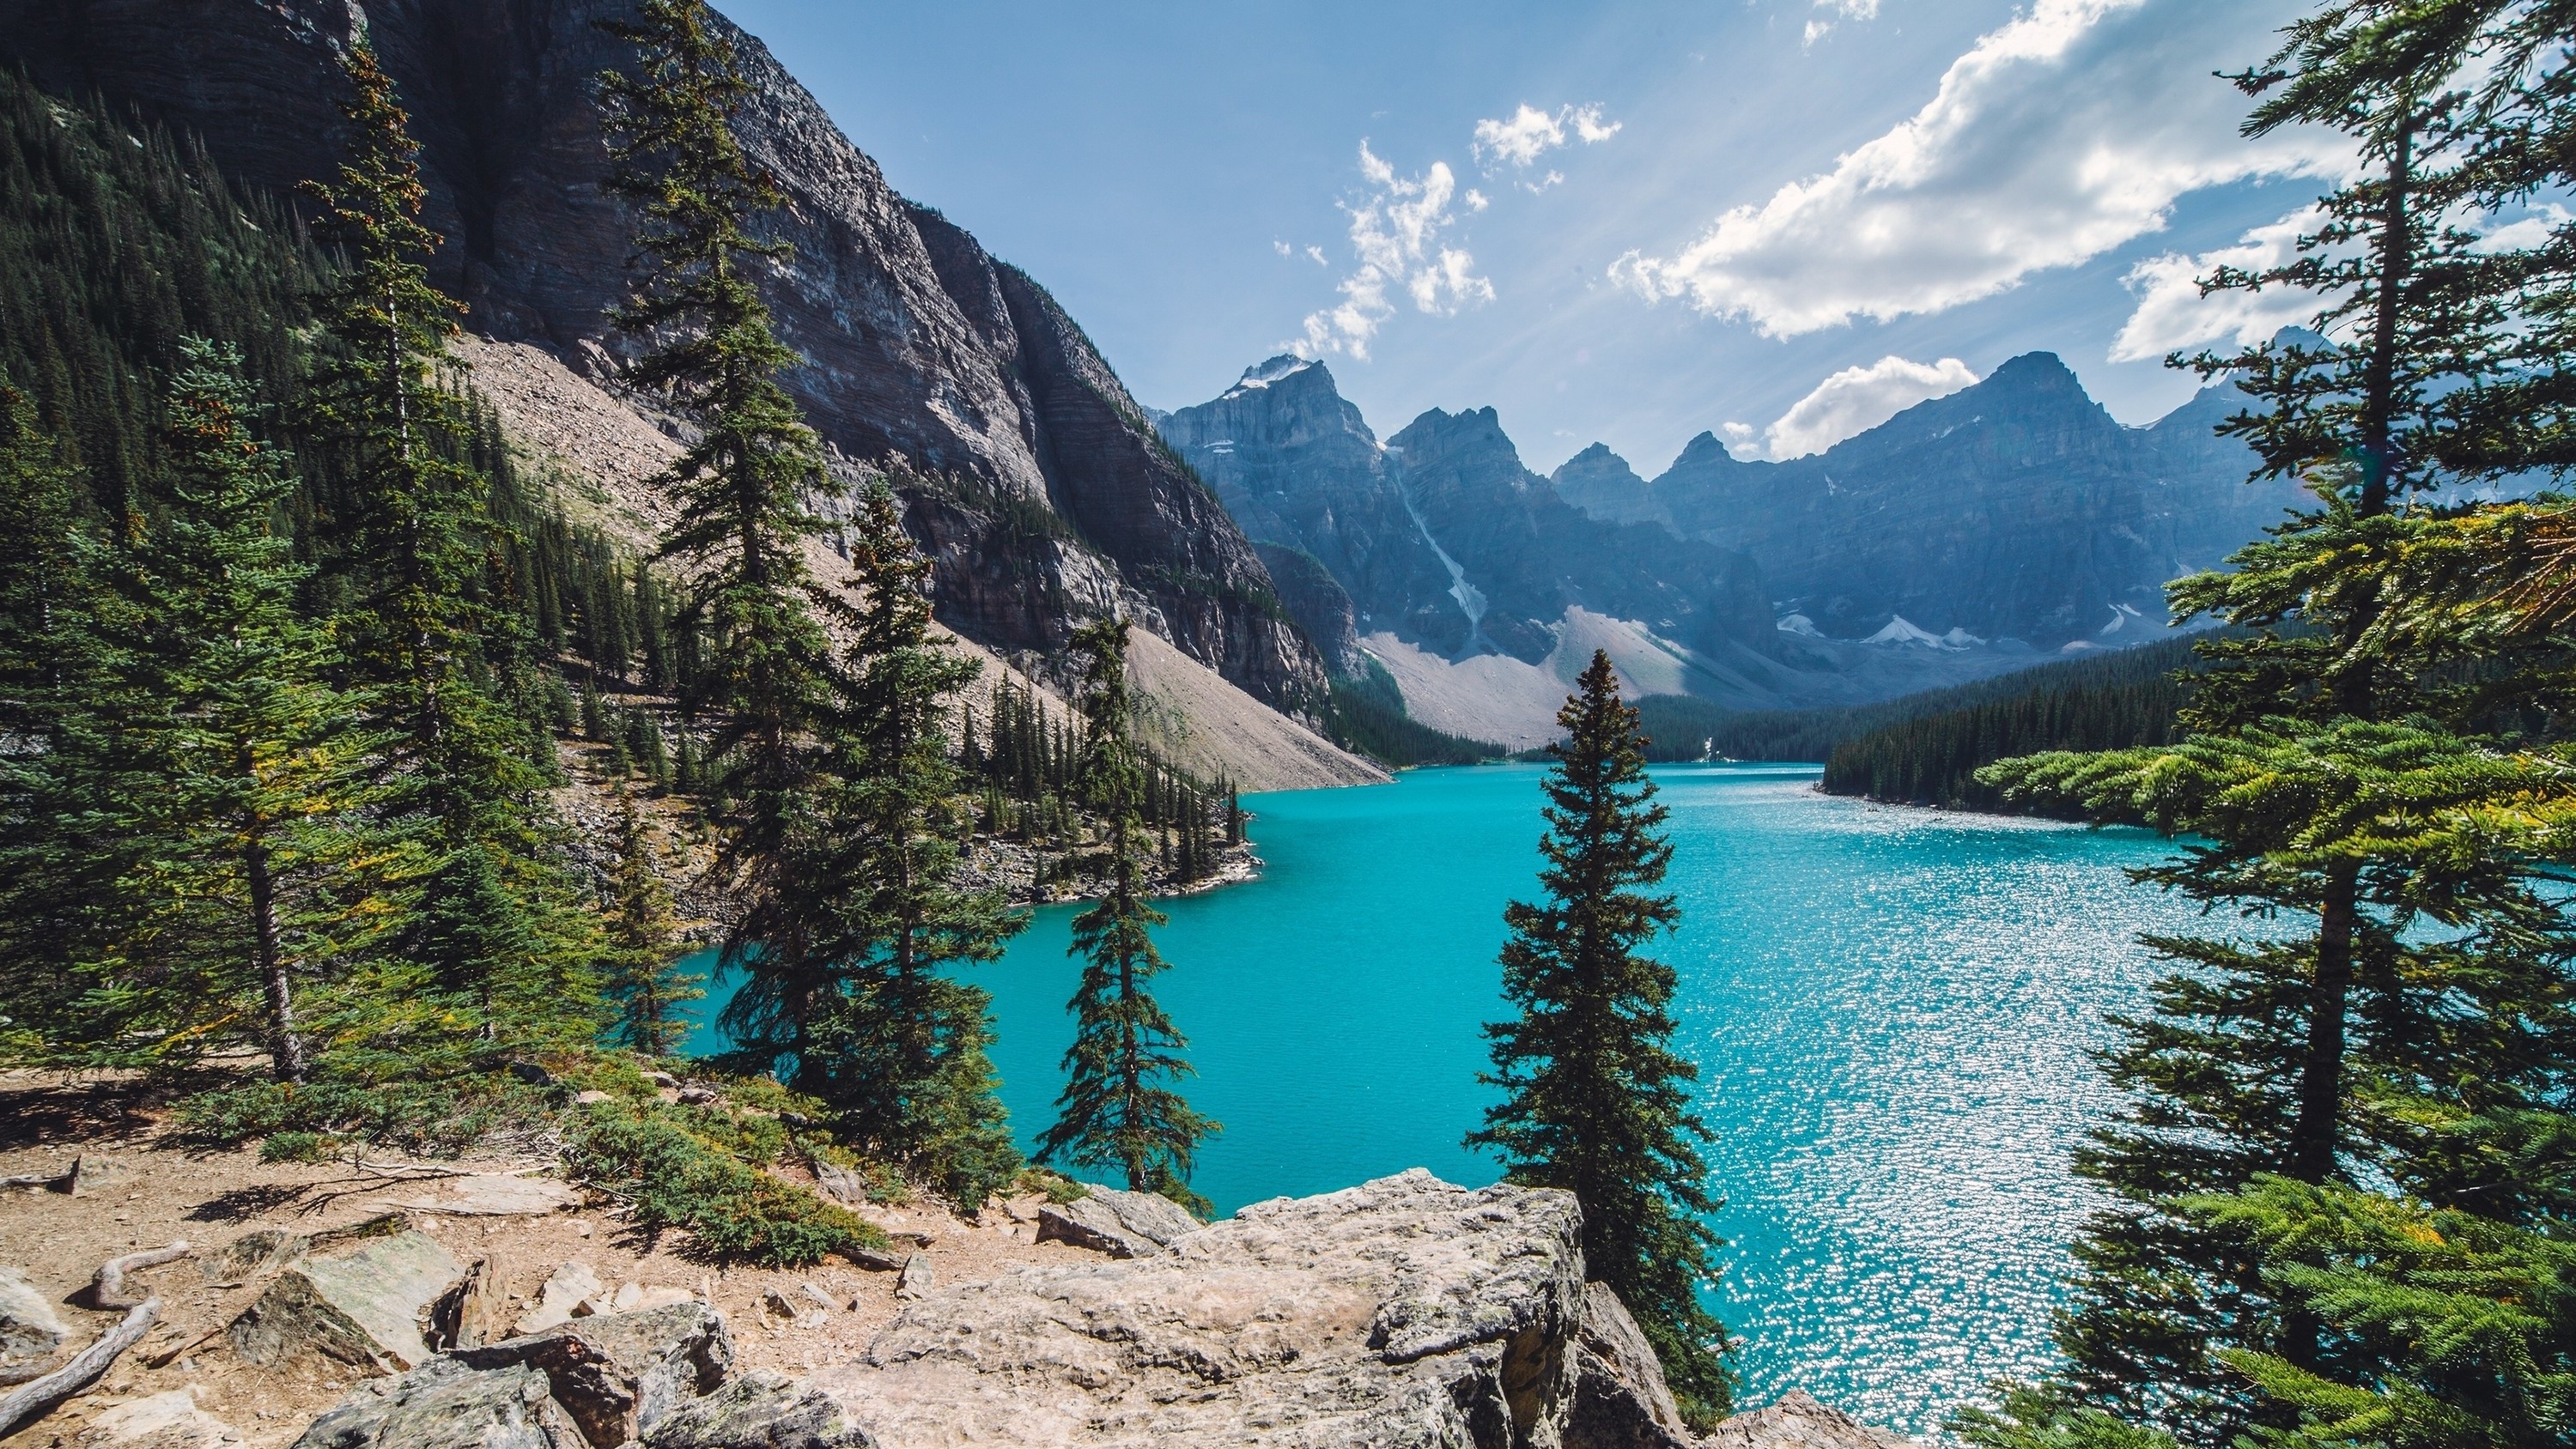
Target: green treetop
[[210, 748], [640, 968], [1115, 1109], [710, 351], [902, 1054], [1594, 1099]]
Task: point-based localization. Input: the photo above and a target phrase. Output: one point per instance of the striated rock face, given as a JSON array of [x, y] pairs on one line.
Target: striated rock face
[[2014, 508], [1059, 499], [1404, 1311], [1440, 536]]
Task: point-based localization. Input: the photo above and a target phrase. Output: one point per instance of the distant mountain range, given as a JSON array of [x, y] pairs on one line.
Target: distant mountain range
[[2012, 520]]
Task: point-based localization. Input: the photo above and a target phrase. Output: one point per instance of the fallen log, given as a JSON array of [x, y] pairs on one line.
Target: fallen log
[[30, 1402], [107, 1290]]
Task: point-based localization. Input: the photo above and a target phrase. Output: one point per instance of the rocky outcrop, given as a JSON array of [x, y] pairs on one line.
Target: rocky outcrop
[[1049, 495], [362, 1307], [30, 1329], [444, 1404], [621, 1375], [1403, 1311], [1113, 1221], [1799, 1422]]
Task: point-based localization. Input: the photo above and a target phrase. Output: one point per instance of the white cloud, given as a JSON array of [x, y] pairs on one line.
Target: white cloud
[[1397, 234], [1851, 401], [2530, 230], [1316, 254], [1532, 133], [1477, 200], [2070, 130], [1282, 248], [2172, 316]]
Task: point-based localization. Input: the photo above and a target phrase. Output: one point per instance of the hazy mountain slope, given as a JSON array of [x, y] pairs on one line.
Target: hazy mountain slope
[[917, 342], [2014, 508], [1475, 581]]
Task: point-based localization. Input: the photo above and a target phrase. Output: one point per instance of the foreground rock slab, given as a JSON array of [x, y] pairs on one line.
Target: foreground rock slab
[[362, 1307], [1405, 1311], [30, 1329], [443, 1404], [1799, 1422], [161, 1421], [621, 1375], [760, 1411], [1113, 1221]]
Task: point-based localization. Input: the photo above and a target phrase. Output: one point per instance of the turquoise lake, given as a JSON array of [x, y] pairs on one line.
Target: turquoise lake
[[1891, 1011]]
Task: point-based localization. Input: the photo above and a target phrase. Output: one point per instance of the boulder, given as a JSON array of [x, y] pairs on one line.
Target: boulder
[[1620, 1398], [1799, 1422], [620, 1375], [918, 1277], [573, 1289], [259, 1251], [163, 1421], [362, 1306], [493, 1195], [1121, 1224], [473, 1310], [30, 1330], [760, 1411], [444, 1404], [1402, 1311]]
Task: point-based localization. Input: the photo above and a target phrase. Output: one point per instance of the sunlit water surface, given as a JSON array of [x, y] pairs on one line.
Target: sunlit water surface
[[1891, 1011]]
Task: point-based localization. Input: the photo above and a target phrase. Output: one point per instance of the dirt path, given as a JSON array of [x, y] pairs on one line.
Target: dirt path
[[153, 1192]]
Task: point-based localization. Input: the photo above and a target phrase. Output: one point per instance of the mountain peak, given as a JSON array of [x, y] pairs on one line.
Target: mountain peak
[[1276, 370]]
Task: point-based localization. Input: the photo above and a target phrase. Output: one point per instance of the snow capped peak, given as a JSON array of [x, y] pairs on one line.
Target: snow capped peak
[[1285, 365], [1800, 624], [1900, 630]]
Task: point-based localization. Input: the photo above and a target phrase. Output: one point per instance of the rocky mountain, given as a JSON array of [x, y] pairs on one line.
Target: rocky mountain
[[2015, 508], [1048, 496], [1481, 587]]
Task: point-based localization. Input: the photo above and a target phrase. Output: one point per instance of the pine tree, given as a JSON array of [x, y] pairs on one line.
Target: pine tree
[[743, 523], [488, 944], [640, 969], [1115, 1110], [212, 746], [1594, 1099], [901, 1056]]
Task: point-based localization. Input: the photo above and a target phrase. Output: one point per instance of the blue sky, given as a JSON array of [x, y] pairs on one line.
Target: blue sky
[[1780, 220]]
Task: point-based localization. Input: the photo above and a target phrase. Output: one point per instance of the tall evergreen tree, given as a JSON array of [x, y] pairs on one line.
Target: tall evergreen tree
[[210, 749], [1116, 1109], [640, 969], [486, 935], [2293, 1062], [710, 350], [1594, 1099], [902, 1054]]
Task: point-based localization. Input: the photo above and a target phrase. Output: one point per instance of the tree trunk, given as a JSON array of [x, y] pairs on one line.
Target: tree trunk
[[286, 1052]]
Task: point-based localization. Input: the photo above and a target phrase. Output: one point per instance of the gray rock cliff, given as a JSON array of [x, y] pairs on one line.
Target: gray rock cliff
[[1057, 496]]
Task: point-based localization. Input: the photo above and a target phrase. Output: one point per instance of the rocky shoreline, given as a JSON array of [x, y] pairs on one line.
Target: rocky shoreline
[[398, 1305]]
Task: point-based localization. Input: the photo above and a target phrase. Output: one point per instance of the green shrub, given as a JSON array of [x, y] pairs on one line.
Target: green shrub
[[298, 1147], [429, 1118], [673, 1177]]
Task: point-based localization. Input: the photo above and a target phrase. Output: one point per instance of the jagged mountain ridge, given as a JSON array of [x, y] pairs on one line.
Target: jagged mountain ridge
[[1057, 500], [1439, 534], [2014, 508]]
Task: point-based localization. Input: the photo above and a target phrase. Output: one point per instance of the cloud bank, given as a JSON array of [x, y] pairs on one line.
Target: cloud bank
[[1851, 401], [2067, 132], [1531, 133], [1397, 233]]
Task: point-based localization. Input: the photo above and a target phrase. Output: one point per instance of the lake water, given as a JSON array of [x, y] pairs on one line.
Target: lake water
[[1890, 1009]]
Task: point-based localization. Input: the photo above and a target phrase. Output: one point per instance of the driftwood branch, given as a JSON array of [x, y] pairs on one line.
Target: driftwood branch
[[107, 1290], [34, 1179], [33, 1401]]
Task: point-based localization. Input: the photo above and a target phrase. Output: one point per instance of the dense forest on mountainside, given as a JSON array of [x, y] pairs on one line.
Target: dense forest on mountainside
[[257, 553], [1367, 717], [1681, 728]]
